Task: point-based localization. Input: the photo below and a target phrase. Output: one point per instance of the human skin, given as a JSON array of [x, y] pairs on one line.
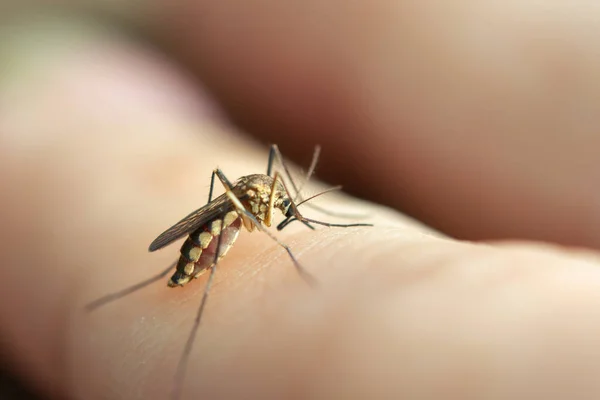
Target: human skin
[[105, 143]]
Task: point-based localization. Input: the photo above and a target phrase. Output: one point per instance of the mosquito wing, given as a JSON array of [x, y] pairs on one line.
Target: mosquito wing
[[215, 209]]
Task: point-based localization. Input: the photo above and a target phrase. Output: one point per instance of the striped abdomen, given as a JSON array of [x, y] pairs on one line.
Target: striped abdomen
[[199, 249]]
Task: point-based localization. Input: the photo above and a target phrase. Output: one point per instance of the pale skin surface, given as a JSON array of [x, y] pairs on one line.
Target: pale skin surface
[[485, 126]]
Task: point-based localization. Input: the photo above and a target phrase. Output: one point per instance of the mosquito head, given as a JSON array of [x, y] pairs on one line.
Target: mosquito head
[[281, 201]]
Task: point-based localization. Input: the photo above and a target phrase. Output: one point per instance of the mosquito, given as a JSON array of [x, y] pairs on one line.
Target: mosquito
[[211, 230]]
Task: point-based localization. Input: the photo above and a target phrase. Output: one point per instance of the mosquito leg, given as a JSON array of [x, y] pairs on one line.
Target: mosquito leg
[[124, 292], [272, 202], [226, 182], [187, 350], [292, 203], [275, 153], [212, 186], [271, 199], [313, 165], [303, 272], [304, 219], [272, 151], [310, 173], [242, 211]]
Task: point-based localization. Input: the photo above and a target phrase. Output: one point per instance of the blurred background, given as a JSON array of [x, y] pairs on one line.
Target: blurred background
[[13, 389]]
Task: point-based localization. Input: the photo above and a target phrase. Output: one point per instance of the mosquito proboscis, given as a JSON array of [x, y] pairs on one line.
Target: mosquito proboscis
[[212, 230]]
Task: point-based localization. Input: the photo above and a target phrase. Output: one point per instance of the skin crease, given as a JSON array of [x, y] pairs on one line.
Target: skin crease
[[401, 311]]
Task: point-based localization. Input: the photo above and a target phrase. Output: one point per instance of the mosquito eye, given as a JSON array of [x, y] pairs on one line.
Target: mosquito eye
[[289, 211]]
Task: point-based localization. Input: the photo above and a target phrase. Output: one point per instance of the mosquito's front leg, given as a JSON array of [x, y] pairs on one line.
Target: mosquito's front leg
[[247, 214], [273, 151], [271, 200], [276, 153]]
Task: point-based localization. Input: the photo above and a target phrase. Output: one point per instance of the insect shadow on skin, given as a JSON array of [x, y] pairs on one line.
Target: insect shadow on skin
[[212, 230]]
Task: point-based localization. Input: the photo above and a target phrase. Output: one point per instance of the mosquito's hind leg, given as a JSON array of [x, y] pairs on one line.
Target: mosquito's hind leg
[[187, 350], [127, 291]]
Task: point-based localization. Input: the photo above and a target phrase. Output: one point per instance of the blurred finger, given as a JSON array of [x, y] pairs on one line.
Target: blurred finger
[[104, 144]]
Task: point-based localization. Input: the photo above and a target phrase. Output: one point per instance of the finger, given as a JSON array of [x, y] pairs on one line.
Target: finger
[[477, 120], [99, 141], [386, 293]]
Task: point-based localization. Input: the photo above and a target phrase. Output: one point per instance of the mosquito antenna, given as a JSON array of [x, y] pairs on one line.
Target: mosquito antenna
[[276, 153], [303, 219], [183, 361], [328, 190], [127, 291], [288, 220], [327, 212]]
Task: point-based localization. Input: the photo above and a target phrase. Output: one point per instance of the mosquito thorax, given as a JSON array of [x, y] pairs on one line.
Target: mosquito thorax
[[254, 191]]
